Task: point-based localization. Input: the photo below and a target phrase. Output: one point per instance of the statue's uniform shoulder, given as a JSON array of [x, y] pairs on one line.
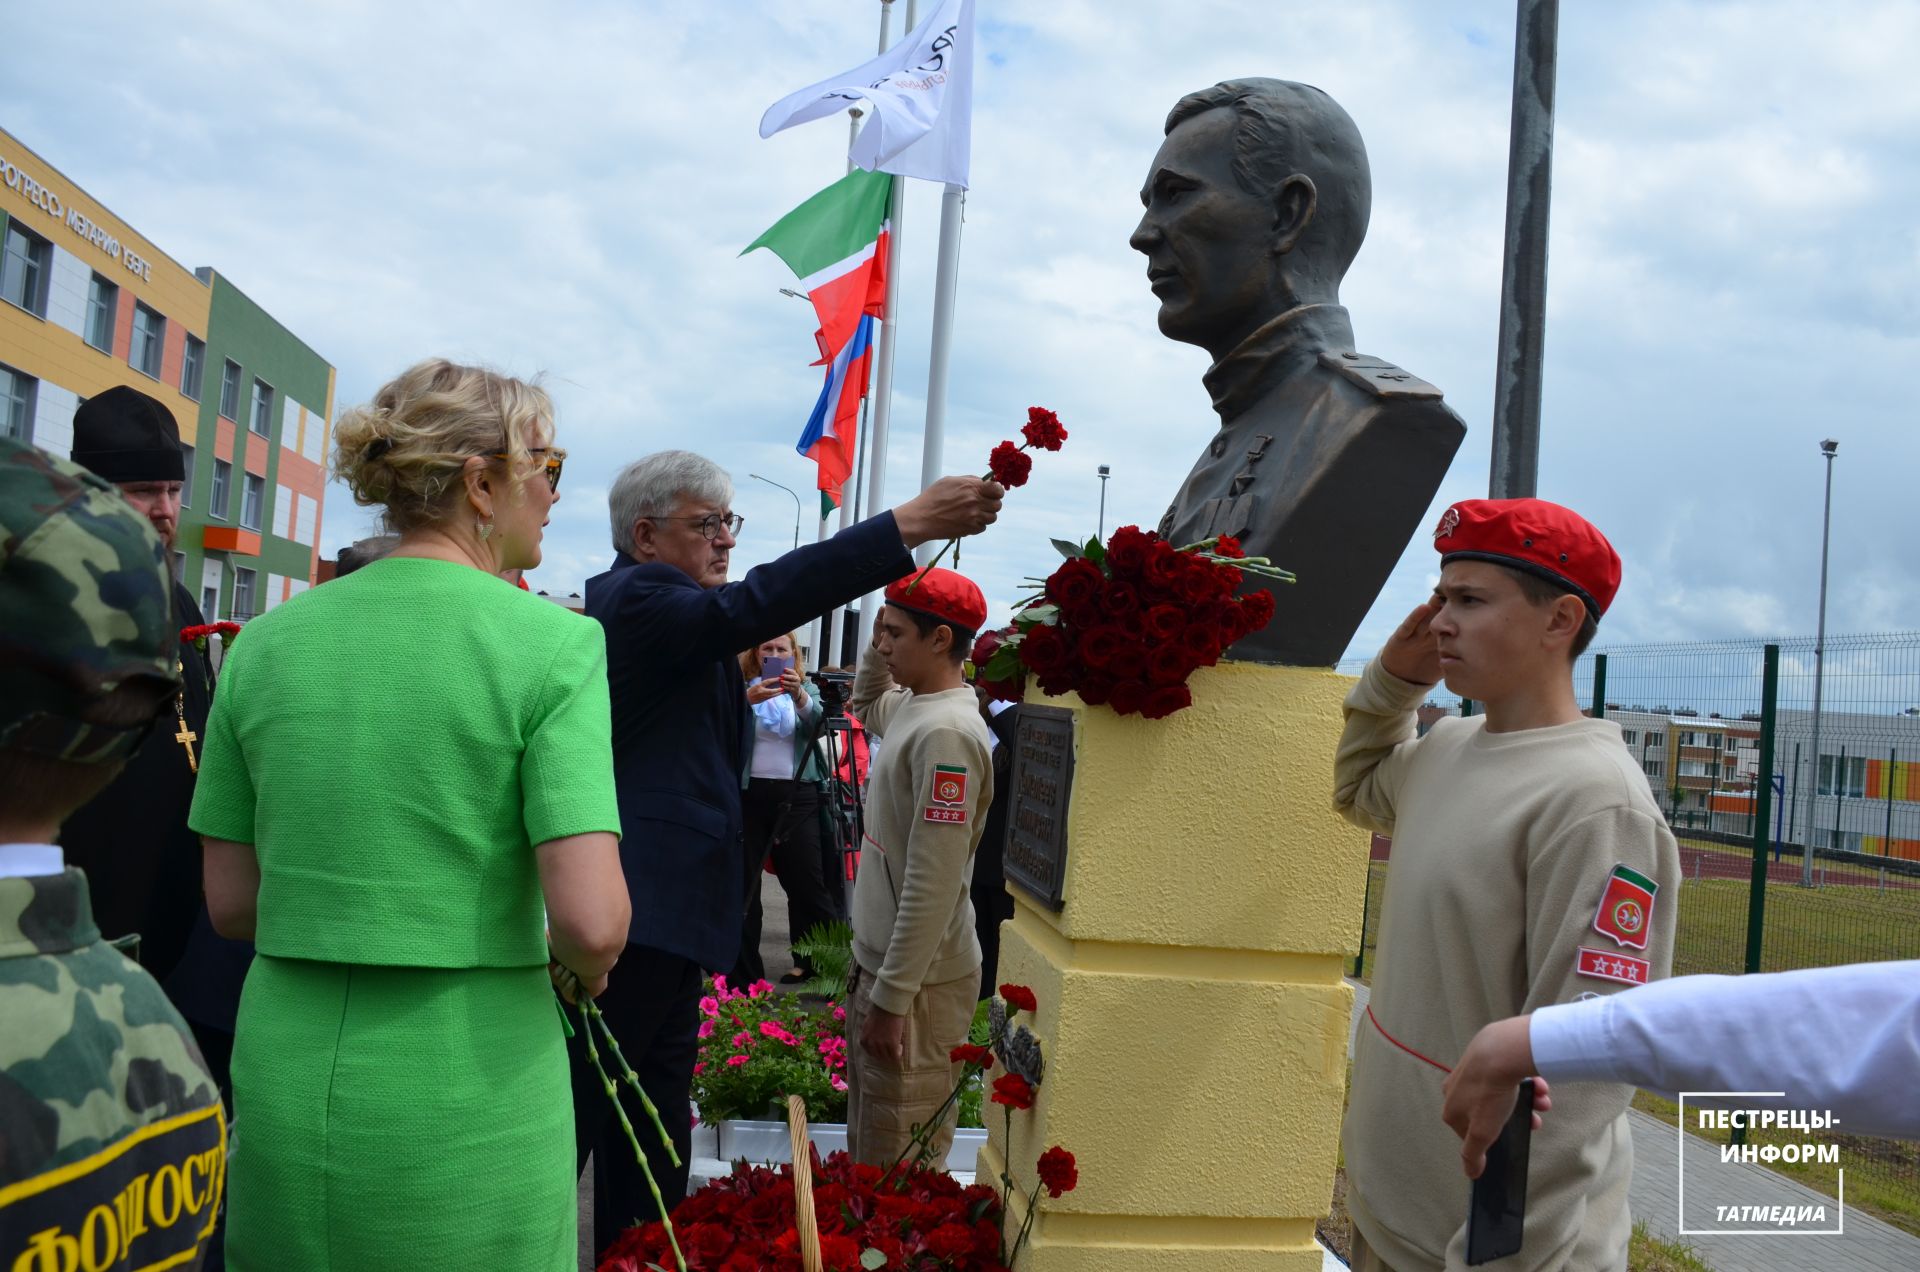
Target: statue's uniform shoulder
[[1378, 377]]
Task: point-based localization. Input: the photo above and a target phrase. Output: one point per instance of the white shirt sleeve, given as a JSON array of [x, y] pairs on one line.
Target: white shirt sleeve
[[1840, 1039]]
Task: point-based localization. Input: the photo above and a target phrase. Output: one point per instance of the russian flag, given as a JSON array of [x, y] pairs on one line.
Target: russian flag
[[830, 436]]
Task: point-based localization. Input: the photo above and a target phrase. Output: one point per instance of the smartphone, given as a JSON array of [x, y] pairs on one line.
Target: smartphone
[[1496, 1218], [772, 669]]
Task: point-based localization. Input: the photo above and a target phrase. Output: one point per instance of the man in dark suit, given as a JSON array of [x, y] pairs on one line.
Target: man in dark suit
[[682, 738], [1325, 458]]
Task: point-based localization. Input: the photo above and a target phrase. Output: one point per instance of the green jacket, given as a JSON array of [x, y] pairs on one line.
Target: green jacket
[[111, 1131]]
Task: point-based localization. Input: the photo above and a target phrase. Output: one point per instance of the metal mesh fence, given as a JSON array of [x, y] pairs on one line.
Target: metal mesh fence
[[1809, 861]]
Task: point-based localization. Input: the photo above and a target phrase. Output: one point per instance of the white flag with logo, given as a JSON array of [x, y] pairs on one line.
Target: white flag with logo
[[920, 98]]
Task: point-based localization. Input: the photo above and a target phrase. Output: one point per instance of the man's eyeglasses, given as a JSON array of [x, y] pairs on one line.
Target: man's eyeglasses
[[555, 461], [711, 523]]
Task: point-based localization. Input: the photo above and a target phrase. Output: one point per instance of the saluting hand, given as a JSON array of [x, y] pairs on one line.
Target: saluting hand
[[951, 508], [1413, 652]]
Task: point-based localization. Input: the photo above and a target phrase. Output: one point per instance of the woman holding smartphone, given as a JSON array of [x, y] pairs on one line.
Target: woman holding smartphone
[[782, 800]]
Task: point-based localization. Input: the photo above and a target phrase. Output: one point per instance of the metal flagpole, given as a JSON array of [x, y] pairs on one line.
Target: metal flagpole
[[1828, 449], [946, 284], [883, 390], [1523, 282]]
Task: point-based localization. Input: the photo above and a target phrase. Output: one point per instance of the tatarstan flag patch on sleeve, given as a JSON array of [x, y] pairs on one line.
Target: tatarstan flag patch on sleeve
[[947, 802], [1626, 907]]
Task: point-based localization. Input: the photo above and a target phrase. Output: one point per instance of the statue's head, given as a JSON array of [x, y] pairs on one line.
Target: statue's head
[[1256, 202]]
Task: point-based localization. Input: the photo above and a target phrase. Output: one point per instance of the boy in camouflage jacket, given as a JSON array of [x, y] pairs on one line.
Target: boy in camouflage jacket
[[112, 1136]]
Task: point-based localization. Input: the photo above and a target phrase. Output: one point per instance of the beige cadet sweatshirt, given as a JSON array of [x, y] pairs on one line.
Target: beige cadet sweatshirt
[[927, 797], [1504, 847]]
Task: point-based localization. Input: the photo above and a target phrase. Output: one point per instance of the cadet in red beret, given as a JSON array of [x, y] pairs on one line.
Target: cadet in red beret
[[916, 954], [1531, 866]]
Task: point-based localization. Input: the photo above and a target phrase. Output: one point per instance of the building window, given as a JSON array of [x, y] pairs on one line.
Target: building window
[[242, 594], [1731, 741], [230, 390], [24, 269], [1630, 736], [1853, 779], [1656, 738], [222, 478], [179, 566], [193, 365], [262, 422], [186, 481], [16, 404], [103, 299], [1654, 768], [149, 335], [209, 600], [254, 493]]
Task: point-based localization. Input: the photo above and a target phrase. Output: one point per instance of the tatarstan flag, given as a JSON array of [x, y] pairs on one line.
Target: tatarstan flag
[[829, 437], [836, 242]]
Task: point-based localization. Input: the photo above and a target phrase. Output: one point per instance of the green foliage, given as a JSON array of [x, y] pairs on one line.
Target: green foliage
[[828, 949]]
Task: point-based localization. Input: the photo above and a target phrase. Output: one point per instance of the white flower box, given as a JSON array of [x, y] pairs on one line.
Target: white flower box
[[768, 1143]]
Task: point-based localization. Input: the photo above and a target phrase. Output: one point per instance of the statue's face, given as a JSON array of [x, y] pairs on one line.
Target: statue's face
[[1206, 240]]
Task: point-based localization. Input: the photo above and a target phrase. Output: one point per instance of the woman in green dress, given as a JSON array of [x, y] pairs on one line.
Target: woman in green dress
[[402, 769]]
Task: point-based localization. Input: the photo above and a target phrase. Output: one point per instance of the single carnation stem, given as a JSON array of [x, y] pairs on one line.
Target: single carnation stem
[[632, 1079], [1026, 1225], [588, 1013], [923, 1134], [951, 544]]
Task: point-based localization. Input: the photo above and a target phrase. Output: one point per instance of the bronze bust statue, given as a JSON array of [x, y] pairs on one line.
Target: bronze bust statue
[[1326, 458]]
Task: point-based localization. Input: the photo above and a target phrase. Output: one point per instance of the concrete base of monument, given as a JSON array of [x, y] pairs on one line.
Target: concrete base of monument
[[1192, 1010]]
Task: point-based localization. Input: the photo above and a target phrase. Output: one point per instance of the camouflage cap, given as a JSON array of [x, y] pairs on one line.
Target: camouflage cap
[[86, 606]]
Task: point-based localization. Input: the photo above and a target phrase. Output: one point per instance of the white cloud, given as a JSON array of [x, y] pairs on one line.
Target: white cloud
[[1734, 273]]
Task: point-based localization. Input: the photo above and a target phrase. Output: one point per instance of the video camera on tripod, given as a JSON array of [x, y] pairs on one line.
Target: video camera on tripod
[[845, 789]]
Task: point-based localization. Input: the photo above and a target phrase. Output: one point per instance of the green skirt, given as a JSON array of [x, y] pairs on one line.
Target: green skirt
[[400, 1117]]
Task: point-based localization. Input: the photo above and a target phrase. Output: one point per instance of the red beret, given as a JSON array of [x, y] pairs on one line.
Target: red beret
[[952, 598], [1555, 543]]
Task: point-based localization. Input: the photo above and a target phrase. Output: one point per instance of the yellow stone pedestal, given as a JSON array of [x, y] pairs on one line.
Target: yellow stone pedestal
[[1192, 1010]]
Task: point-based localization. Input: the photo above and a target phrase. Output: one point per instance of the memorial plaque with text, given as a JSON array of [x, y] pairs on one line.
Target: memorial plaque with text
[[1042, 787]]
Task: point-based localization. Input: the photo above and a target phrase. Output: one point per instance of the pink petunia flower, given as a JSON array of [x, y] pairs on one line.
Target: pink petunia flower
[[839, 1013], [700, 1068], [736, 1061], [759, 987], [742, 1038], [706, 1029], [838, 1083], [709, 1006]]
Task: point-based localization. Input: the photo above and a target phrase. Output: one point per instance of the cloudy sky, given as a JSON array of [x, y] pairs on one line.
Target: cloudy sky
[[564, 188]]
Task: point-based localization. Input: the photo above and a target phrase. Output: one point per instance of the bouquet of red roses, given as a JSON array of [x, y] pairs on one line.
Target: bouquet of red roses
[[1125, 624]]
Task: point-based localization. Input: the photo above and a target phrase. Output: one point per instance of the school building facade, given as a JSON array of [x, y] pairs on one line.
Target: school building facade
[[90, 303]]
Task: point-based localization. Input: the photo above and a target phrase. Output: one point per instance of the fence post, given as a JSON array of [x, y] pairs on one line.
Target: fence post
[[1757, 895], [1599, 711]]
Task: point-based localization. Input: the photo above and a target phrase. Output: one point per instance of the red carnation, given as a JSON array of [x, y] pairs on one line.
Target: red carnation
[[1165, 700], [1008, 466], [1257, 607], [1019, 997], [1057, 1171], [1042, 429], [1203, 582], [971, 1053], [1127, 697], [950, 1241], [1044, 650], [1013, 1091], [1229, 547]]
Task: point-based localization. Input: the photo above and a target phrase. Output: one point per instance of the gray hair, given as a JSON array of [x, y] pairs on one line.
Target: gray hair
[[650, 487]]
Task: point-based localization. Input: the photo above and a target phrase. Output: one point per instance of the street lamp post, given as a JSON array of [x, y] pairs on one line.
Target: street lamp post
[[1105, 472], [796, 504], [1827, 448]]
